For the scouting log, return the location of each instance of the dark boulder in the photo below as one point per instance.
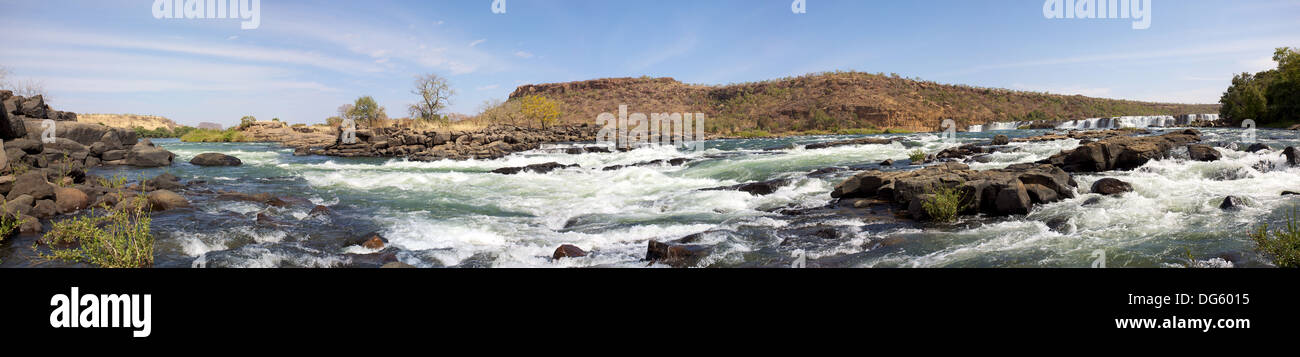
(862, 141)
(1001, 140)
(146, 154)
(1292, 156)
(1257, 147)
(1013, 190)
(1203, 153)
(755, 188)
(32, 184)
(676, 255)
(539, 168)
(568, 251)
(1110, 186)
(215, 159)
(1232, 203)
(162, 200)
(1121, 152)
(163, 182)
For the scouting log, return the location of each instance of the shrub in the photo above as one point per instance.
(119, 239)
(8, 224)
(231, 135)
(944, 205)
(1281, 245)
(540, 109)
(918, 156)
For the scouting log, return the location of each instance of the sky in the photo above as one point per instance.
(306, 58)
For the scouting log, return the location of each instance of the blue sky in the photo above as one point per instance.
(309, 57)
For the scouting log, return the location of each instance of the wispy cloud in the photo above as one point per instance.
(477, 42)
(523, 54)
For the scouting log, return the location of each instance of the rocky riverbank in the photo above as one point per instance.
(490, 143)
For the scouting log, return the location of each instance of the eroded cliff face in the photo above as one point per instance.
(128, 121)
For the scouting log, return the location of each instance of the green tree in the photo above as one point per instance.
(1284, 92)
(366, 111)
(1244, 99)
(435, 94)
(246, 122)
(540, 109)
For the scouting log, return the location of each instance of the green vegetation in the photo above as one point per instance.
(1281, 245)
(368, 112)
(917, 156)
(8, 224)
(1271, 98)
(247, 121)
(753, 134)
(118, 239)
(231, 135)
(944, 205)
(162, 132)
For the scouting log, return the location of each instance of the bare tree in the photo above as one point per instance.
(435, 95)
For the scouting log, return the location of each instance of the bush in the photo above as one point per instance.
(944, 205)
(231, 135)
(120, 239)
(918, 156)
(1281, 245)
(8, 224)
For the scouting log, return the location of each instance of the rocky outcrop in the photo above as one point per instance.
(568, 251)
(215, 159)
(490, 143)
(1121, 152)
(1013, 190)
(146, 154)
(538, 168)
(862, 141)
(75, 144)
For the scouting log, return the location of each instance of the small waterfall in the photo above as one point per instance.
(1140, 122)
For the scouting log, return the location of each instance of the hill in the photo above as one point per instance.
(129, 121)
(834, 101)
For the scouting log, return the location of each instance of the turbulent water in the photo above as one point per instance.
(458, 214)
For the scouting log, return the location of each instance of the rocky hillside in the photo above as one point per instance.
(128, 121)
(829, 101)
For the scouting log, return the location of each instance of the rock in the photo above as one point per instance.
(568, 251)
(318, 210)
(162, 200)
(539, 168)
(215, 159)
(1060, 225)
(1121, 152)
(18, 206)
(1292, 156)
(1290, 193)
(29, 225)
(302, 151)
(44, 209)
(755, 188)
(28, 146)
(396, 265)
(1001, 140)
(1257, 147)
(32, 184)
(114, 155)
(68, 200)
(1092, 201)
(862, 141)
(7, 184)
(145, 154)
(372, 241)
(9, 127)
(1110, 186)
(1204, 153)
(1231, 203)
(675, 255)
(1012, 190)
(165, 181)
(887, 163)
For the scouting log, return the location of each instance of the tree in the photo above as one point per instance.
(1243, 100)
(1268, 97)
(495, 111)
(367, 111)
(540, 109)
(1284, 92)
(247, 121)
(435, 94)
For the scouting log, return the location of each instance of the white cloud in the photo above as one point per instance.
(476, 43)
(523, 54)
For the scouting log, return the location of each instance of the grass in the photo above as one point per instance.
(917, 156)
(214, 136)
(1283, 244)
(945, 205)
(752, 134)
(119, 239)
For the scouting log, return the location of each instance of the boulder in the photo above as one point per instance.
(44, 209)
(862, 141)
(1001, 140)
(1292, 156)
(7, 184)
(163, 182)
(372, 241)
(1257, 147)
(18, 206)
(1232, 203)
(31, 184)
(568, 251)
(215, 159)
(26, 145)
(755, 188)
(29, 225)
(539, 168)
(114, 155)
(10, 127)
(1110, 186)
(68, 200)
(676, 255)
(1203, 153)
(145, 154)
(82, 133)
(163, 200)
(1121, 152)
